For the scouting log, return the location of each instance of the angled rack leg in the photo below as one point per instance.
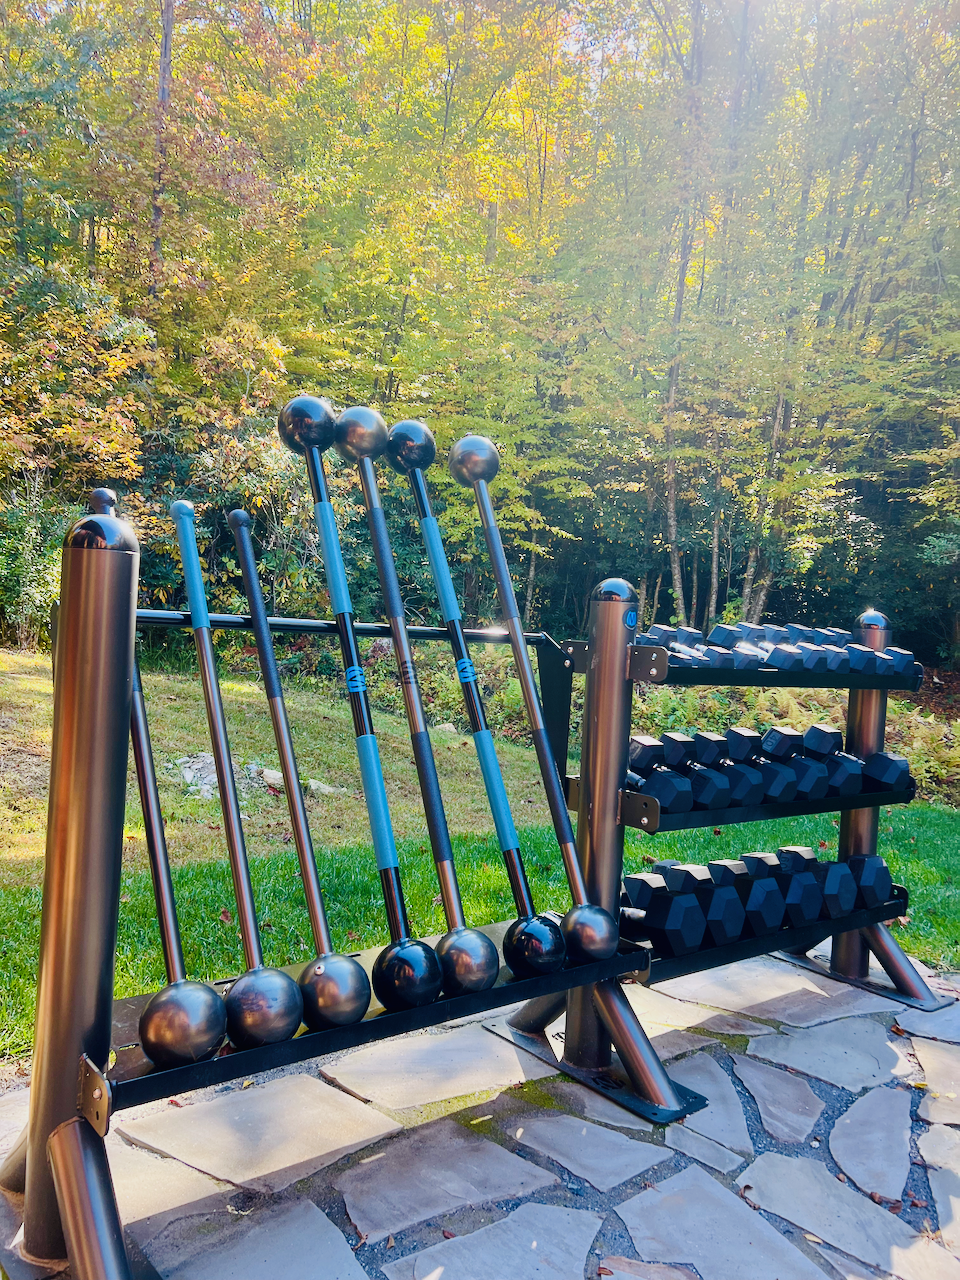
(88, 1205)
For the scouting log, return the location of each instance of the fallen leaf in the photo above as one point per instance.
(823, 844)
(175, 1102)
(226, 917)
(286, 837)
(361, 1241)
(919, 1204)
(354, 937)
(449, 1235)
(605, 1271)
(647, 859)
(275, 791)
(390, 1242)
(437, 901)
(716, 831)
(808, 1235)
(897, 1031)
(841, 1177)
(267, 925)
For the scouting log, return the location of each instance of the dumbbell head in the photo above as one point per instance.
(746, 656)
(874, 883)
(862, 660)
(361, 433)
(902, 660)
(716, 657)
(743, 744)
(307, 422)
(776, 635)
(664, 867)
(838, 887)
(785, 657)
(644, 753)
(724, 636)
(410, 446)
(711, 788)
(844, 774)
(751, 633)
(670, 789)
(761, 865)
(821, 740)
(764, 907)
(678, 750)
(729, 871)
(662, 634)
(689, 636)
(473, 458)
(641, 888)
(797, 633)
(746, 783)
(779, 781)
(838, 660)
(710, 748)
(796, 857)
(802, 898)
(720, 903)
(675, 923)
(781, 742)
(886, 772)
(812, 778)
(814, 658)
(842, 637)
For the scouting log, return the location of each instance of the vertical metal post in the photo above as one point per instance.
(859, 828)
(81, 888)
(88, 1206)
(601, 1013)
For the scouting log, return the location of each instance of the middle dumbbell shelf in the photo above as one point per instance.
(643, 812)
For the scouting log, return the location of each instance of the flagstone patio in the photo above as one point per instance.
(827, 1150)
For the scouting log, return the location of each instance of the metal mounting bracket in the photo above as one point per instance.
(647, 663)
(94, 1096)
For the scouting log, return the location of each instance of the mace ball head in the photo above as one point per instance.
(473, 458)
(533, 946)
(361, 433)
(407, 974)
(335, 990)
(263, 1006)
(185, 1022)
(410, 446)
(307, 422)
(469, 961)
(590, 933)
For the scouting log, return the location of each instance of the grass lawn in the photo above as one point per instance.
(921, 842)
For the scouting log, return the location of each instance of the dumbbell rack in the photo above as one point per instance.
(650, 664)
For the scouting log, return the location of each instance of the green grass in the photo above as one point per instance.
(921, 842)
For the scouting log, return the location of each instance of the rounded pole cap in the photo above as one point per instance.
(307, 422)
(361, 432)
(410, 446)
(102, 502)
(101, 533)
(873, 620)
(182, 509)
(473, 458)
(239, 519)
(615, 589)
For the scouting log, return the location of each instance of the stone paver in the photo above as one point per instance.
(945, 1187)
(430, 1068)
(940, 1146)
(847, 1268)
(941, 1070)
(153, 1191)
(871, 1142)
(770, 988)
(432, 1170)
(535, 1242)
(596, 1107)
(695, 1145)
(13, 1117)
(265, 1137)
(297, 1242)
(690, 1218)
(806, 1193)
(669, 1042)
(11, 1264)
(722, 1120)
(630, 1269)
(788, 1106)
(854, 1053)
(942, 1025)
(652, 1006)
(601, 1156)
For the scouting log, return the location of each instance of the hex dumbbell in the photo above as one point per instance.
(746, 784)
(673, 922)
(720, 904)
(670, 789)
(874, 882)
(711, 789)
(837, 885)
(760, 894)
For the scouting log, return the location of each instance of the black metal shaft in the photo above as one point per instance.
(374, 790)
(155, 836)
(88, 1205)
(282, 734)
(81, 890)
(473, 702)
(548, 769)
(413, 703)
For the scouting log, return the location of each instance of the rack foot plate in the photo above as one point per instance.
(875, 988)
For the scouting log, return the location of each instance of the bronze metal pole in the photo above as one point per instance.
(81, 888)
(88, 1206)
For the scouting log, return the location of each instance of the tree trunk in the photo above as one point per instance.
(19, 218)
(714, 571)
(656, 599)
(642, 603)
(164, 88)
(748, 577)
(531, 577)
(759, 601)
(694, 585)
(490, 250)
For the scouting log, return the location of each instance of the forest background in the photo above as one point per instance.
(693, 264)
